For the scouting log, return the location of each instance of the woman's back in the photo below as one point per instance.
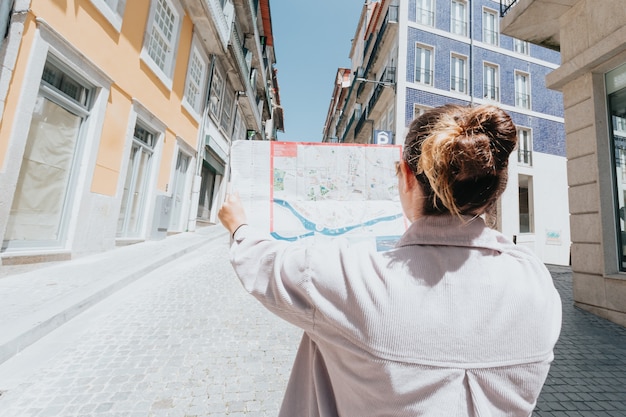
(443, 318)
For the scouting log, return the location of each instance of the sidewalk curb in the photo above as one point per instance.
(16, 336)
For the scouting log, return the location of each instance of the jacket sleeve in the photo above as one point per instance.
(276, 273)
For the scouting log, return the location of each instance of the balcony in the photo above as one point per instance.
(387, 30)
(535, 21)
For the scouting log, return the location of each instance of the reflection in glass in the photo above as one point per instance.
(617, 112)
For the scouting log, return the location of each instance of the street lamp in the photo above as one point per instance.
(383, 83)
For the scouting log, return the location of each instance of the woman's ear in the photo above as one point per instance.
(407, 176)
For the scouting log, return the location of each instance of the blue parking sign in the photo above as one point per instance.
(383, 137)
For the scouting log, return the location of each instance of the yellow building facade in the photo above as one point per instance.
(117, 117)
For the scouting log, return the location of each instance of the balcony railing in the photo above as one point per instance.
(505, 5)
(423, 76)
(458, 84)
(425, 17)
(458, 27)
(491, 92)
(490, 36)
(524, 157)
(522, 100)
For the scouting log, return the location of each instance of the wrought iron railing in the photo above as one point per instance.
(522, 100)
(491, 92)
(505, 5)
(425, 17)
(524, 157)
(458, 84)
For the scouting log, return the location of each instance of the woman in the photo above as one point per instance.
(456, 320)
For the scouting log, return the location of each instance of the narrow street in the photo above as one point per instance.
(185, 340)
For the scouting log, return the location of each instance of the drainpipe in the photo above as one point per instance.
(471, 53)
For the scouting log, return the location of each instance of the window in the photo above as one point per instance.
(490, 27)
(134, 198)
(46, 183)
(458, 74)
(524, 147)
(387, 120)
(423, 65)
(195, 84)
(161, 39)
(526, 212)
(113, 10)
(418, 110)
(458, 17)
(522, 90)
(217, 90)
(226, 121)
(221, 102)
(491, 82)
(616, 89)
(239, 129)
(425, 12)
(521, 47)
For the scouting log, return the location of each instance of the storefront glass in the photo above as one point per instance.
(616, 89)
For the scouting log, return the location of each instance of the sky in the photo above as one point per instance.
(312, 39)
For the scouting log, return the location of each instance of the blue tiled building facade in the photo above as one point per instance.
(449, 60)
(431, 23)
(436, 57)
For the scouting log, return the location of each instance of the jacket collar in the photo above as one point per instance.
(448, 230)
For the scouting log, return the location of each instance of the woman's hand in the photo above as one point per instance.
(232, 214)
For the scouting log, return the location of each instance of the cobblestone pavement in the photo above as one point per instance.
(588, 375)
(185, 340)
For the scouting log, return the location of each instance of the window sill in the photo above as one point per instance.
(164, 78)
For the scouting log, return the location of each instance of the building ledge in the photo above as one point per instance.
(536, 21)
(588, 60)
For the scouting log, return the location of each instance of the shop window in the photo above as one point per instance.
(616, 86)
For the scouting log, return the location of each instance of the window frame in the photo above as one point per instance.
(496, 86)
(227, 113)
(528, 185)
(429, 12)
(216, 93)
(494, 39)
(524, 147)
(222, 102)
(114, 14)
(453, 19)
(196, 51)
(520, 102)
(464, 78)
(430, 70)
(419, 109)
(165, 74)
(521, 47)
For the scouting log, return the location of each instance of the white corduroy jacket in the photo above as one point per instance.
(455, 321)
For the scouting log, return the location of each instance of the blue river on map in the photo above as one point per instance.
(313, 228)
